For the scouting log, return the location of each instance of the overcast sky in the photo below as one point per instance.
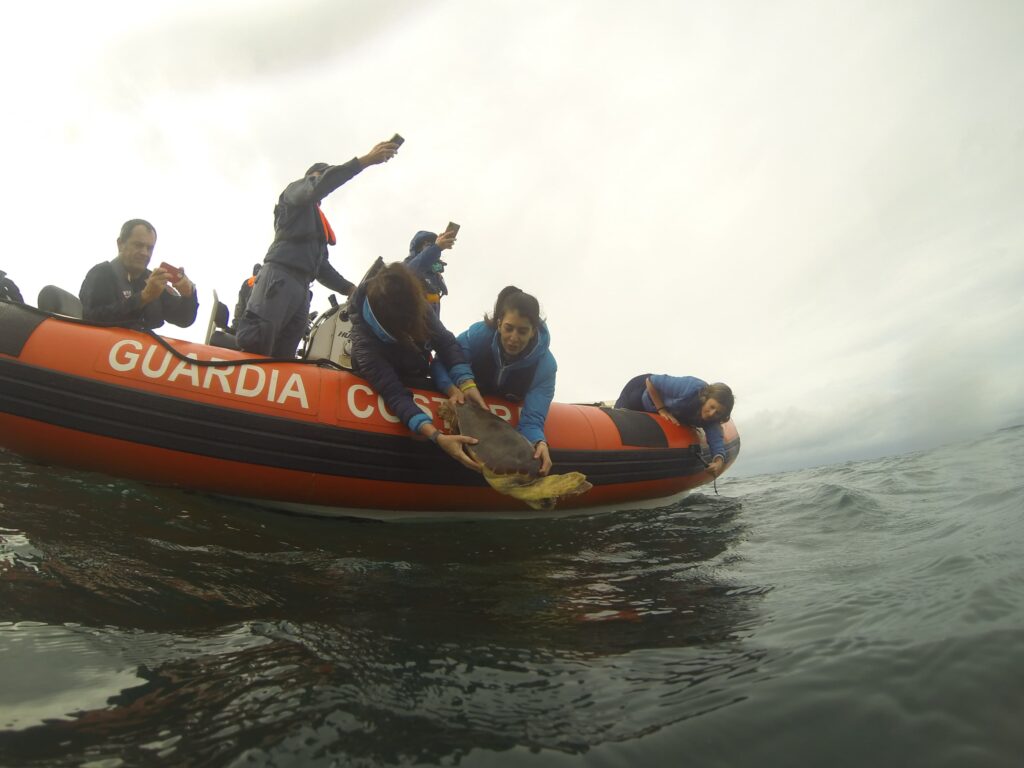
(819, 203)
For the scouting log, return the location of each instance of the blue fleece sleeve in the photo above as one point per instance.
(538, 400)
(716, 440)
(417, 421)
(675, 390)
(439, 371)
(422, 262)
(449, 352)
(373, 365)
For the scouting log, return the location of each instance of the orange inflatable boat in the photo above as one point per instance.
(301, 436)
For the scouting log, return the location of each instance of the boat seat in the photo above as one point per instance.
(220, 314)
(57, 301)
(217, 333)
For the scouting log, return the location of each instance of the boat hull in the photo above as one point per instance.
(290, 434)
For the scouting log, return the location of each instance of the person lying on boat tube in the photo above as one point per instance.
(509, 355)
(276, 314)
(123, 291)
(393, 333)
(684, 400)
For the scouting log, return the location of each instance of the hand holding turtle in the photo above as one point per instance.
(473, 394)
(455, 395)
(453, 446)
(541, 452)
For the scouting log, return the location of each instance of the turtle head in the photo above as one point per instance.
(449, 416)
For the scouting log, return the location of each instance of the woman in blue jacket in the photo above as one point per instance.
(510, 357)
(684, 400)
(394, 331)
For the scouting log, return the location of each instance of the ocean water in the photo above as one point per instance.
(866, 614)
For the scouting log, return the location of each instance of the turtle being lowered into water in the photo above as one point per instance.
(506, 458)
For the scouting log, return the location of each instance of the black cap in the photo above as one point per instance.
(321, 167)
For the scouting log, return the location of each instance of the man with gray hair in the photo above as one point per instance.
(123, 291)
(278, 309)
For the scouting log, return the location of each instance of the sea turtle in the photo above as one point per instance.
(507, 458)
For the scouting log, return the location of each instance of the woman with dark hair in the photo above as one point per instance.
(393, 332)
(510, 358)
(684, 400)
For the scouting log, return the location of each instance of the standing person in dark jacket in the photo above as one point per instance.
(424, 260)
(510, 357)
(393, 333)
(8, 290)
(125, 292)
(276, 315)
(684, 400)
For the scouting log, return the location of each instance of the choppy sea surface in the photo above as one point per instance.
(866, 614)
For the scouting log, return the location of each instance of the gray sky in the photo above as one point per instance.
(818, 203)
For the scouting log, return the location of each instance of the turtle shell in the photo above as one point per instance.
(502, 449)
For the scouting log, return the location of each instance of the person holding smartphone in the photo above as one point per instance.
(276, 314)
(425, 261)
(124, 291)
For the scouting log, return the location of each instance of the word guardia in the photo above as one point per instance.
(253, 381)
(244, 380)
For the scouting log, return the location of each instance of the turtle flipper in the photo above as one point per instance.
(542, 492)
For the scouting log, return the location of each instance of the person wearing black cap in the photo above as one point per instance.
(278, 309)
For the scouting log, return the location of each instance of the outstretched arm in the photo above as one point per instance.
(380, 153)
(331, 278)
(659, 403)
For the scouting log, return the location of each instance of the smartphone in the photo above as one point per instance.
(452, 227)
(397, 140)
(173, 272)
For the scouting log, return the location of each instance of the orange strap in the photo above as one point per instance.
(328, 232)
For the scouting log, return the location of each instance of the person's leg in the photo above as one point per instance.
(288, 337)
(273, 301)
(632, 394)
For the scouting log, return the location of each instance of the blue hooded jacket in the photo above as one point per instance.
(482, 344)
(427, 264)
(681, 396)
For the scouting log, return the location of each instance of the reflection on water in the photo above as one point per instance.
(867, 614)
(207, 632)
